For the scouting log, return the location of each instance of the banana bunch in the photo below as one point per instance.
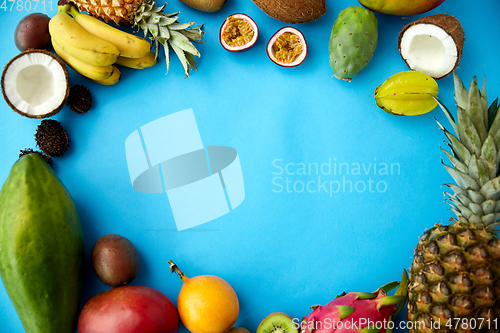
(94, 48)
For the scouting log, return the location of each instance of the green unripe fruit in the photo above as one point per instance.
(41, 247)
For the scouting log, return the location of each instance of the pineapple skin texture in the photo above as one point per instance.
(455, 274)
(118, 11)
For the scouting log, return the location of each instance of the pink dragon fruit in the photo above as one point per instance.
(358, 312)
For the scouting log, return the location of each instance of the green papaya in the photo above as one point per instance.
(41, 247)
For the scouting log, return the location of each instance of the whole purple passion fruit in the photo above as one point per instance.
(287, 47)
(115, 260)
(238, 32)
(32, 32)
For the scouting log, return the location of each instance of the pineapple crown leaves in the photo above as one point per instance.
(474, 156)
(163, 28)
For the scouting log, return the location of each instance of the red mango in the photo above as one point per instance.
(129, 309)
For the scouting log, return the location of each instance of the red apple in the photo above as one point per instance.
(402, 8)
(129, 309)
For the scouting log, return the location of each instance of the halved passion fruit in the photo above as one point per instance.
(35, 84)
(287, 47)
(238, 32)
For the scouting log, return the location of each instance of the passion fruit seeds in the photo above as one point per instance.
(287, 47)
(238, 32)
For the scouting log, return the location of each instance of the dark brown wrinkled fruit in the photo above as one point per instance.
(32, 32)
(115, 260)
(52, 138)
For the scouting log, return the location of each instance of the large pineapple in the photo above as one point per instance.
(160, 27)
(455, 274)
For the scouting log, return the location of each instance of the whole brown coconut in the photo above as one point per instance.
(293, 11)
(432, 45)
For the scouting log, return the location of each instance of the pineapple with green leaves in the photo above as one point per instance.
(455, 274)
(160, 27)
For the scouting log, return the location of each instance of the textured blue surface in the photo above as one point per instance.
(287, 246)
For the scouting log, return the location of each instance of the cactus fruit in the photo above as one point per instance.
(352, 42)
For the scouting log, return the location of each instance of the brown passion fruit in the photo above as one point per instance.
(287, 47)
(238, 32)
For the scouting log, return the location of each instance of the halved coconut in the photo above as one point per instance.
(35, 84)
(238, 32)
(432, 45)
(287, 47)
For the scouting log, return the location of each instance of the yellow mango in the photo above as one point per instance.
(398, 7)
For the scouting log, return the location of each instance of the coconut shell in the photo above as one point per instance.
(448, 23)
(293, 11)
(66, 74)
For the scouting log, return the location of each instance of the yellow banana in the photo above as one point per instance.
(138, 63)
(112, 79)
(91, 71)
(77, 42)
(130, 46)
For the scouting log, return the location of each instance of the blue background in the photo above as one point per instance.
(279, 251)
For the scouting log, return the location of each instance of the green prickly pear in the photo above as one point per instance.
(353, 41)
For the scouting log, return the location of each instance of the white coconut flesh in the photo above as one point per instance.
(429, 49)
(35, 84)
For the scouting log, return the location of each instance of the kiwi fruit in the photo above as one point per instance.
(238, 330)
(209, 6)
(278, 322)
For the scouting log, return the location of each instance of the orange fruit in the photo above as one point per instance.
(206, 303)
